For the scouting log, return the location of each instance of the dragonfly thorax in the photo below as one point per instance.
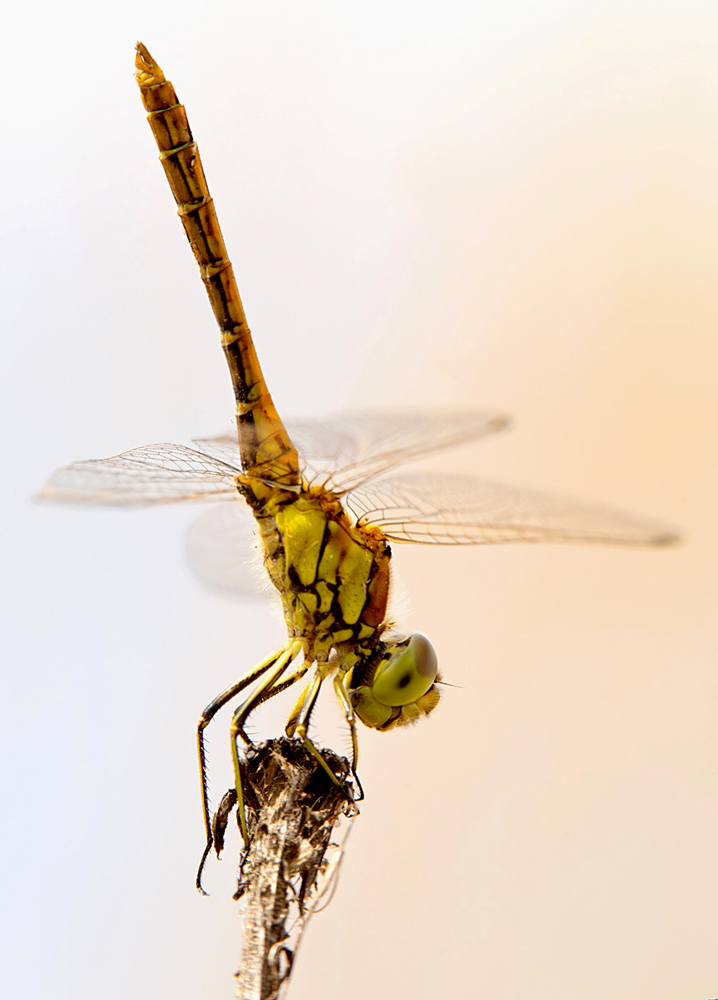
(332, 575)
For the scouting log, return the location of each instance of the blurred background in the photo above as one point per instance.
(427, 204)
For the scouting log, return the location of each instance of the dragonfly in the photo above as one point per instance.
(327, 503)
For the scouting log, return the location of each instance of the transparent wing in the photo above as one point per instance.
(156, 473)
(344, 450)
(459, 510)
(223, 447)
(223, 551)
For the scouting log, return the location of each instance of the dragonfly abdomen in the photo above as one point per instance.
(266, 449)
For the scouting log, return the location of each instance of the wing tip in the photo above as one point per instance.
(666, 538)
(50, 493)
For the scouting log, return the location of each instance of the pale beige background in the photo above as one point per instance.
(427, 204)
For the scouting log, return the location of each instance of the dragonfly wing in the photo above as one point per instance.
(155, 473)
(459, 510)
(349, 449)
(344, 450)
(223, 551)
(223, 447)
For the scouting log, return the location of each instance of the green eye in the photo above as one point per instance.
(408, 674)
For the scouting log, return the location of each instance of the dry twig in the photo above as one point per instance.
(297, 820)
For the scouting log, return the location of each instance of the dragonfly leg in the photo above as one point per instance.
(204, 720)
(299, 722)
(282, 685)
(264, 690)
(341, 693)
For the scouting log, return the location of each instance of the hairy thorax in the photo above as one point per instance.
(333, 576)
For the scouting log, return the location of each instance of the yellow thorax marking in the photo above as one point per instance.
(323, 552)
(302, 525)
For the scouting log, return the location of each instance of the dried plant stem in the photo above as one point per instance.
(294, 814)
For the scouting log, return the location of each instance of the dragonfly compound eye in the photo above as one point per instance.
(408, 674)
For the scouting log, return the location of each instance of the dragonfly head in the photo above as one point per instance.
(399, 686)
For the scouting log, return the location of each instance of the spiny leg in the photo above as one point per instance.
(204, 720)
(282, 685)
(341, 693)
(299, 721)
(266, 689)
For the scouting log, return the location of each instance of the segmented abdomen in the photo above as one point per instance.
(266, 449)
